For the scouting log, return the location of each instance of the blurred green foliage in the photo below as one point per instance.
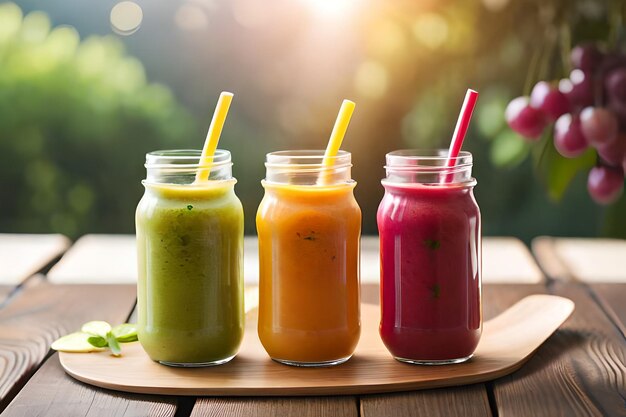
(76, 118)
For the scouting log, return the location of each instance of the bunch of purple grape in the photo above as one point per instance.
(588, 109)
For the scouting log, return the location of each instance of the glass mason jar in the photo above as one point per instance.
(430, 254)
(190, 261)
(309, 227)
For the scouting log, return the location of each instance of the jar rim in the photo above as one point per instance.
(426, 160)
(185, 159)
(428, 154)
(307, 160)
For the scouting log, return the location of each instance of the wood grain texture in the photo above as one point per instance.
(266, 407)
(22, 255)
(506, 343)
(612, 297)
(583, 260)
(465, 401)
(580, 371)
(42, 312)
(52, 393)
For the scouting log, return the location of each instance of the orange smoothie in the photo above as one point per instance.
(309, 301)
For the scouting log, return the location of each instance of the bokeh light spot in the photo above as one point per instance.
(251, 13)
(371, 80)
(495, 5)
(10, 20)
(431, 30)
(387, 38)
(191, 17)
(331, 8)
(126, 17)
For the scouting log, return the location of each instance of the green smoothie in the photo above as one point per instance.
(190, 286)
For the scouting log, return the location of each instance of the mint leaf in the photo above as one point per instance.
(432, 244)
(97, 341)
(114, 345)
(189, 207)
(125, 333)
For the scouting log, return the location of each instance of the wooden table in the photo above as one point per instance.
(579, 371)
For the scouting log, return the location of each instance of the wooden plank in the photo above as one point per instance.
(261, 407)
(507, 260)
(42, 312)
(584, 260)
(28, 325)
(549, 261)
(52, 393)
(579, 371)
(612, 297)
(22, 255)
(98, 259)
(467, 401)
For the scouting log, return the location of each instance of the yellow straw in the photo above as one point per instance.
(213, 136)
(336, 137)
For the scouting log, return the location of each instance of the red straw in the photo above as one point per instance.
(461, 129)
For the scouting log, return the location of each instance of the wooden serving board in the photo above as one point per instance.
(507, 342)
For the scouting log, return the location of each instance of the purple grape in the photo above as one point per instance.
(605, 184)
(568, 136)
(524, 119)
(599, 126)
(612, 153)
(549, 100)
(578, 88)
(586, 57)
(615, 85)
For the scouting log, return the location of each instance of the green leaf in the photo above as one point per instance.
(508, 149)
(74, 342)
(557, 172)
(125, 333)
(96, 328)
(114, 345)
(97, 341)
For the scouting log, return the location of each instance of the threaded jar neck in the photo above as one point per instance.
(416, 166)
(307, 167)
(180, 166)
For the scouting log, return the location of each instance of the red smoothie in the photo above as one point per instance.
(430, 271)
